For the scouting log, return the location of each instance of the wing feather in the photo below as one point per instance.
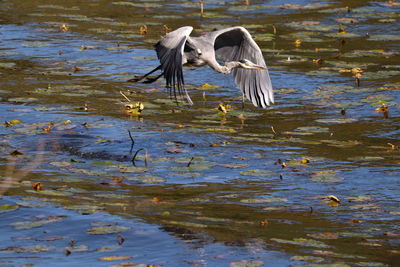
(170, 53)
(234, 44)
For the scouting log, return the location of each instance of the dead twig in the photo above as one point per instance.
(125, 96)
(145, 157)
(132, 141)
(190, 162)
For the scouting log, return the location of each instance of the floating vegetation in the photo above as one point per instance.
(103, 230)
(326, 176)
(307, 176)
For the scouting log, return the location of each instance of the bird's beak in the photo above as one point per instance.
(258, 68)
(253, 66)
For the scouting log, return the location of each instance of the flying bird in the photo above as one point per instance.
(241, 55)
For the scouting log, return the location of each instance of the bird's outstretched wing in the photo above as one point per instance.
(234, 44)
(170, 53)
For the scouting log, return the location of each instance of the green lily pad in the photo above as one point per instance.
(112, 195)
(103, 230)
(326, 176)
(337, 143)
(7, 65)
(379, 100)
(87, 172)
(8, 207)
(147, 179)
(307, 258)
(85, 208)
(264, 37)
(342, 35)
(28, 249)
(354, 234)
(23, 99)
(336, 121)
(304, 242)
(264, 200)
(131, 169)
(108, 248)
(258, 172)
(51, 192)
(384, 37)
(79, 248)
(359, 199)
(60, 163)
(312, 129)
(33, 224)
(366, 158)
(35, 44)
(246, 263)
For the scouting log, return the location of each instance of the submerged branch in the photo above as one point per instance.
(145, 157)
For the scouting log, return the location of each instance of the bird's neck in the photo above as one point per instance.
(231, 65)
(227, 68)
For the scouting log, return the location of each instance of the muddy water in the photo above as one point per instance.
(250, 188)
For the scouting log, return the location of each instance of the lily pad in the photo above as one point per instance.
(384, 37)
(326, 176)
(246, 263)
(359, 199)
(312, 129)
(147, 179)
(28, 249)
(33, 224)
(79, 248)
(336, 121)
(103, 230)
(115, 258)
(7, 65)
(307, 258)
(8, 207)
(23, 99)
(304, 242)
(264, 200)
(258, 172)
(51, 193)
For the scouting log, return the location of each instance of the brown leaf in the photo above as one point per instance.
(16, 153)
(37, 186)
(143, 30)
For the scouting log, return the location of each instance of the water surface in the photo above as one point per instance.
(253, 187)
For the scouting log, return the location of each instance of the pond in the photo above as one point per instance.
(312, 180)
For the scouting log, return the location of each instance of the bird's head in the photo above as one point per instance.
(247, 64)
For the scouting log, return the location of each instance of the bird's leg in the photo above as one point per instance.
(139, 78)
(243, 100)
(151, 80)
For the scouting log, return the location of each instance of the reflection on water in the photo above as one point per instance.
(249, 187)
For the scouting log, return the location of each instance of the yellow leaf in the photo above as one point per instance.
(134, 109)
(224, 108)
(11, 123)
(305, 161)
(356, 70)
(115, 258)
(297, 42)
(143, 30)
(333, 198)
(64, 27)
(209, 86)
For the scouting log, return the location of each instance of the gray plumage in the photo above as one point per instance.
(234, 45)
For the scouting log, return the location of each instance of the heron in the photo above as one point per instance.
(234, 45)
